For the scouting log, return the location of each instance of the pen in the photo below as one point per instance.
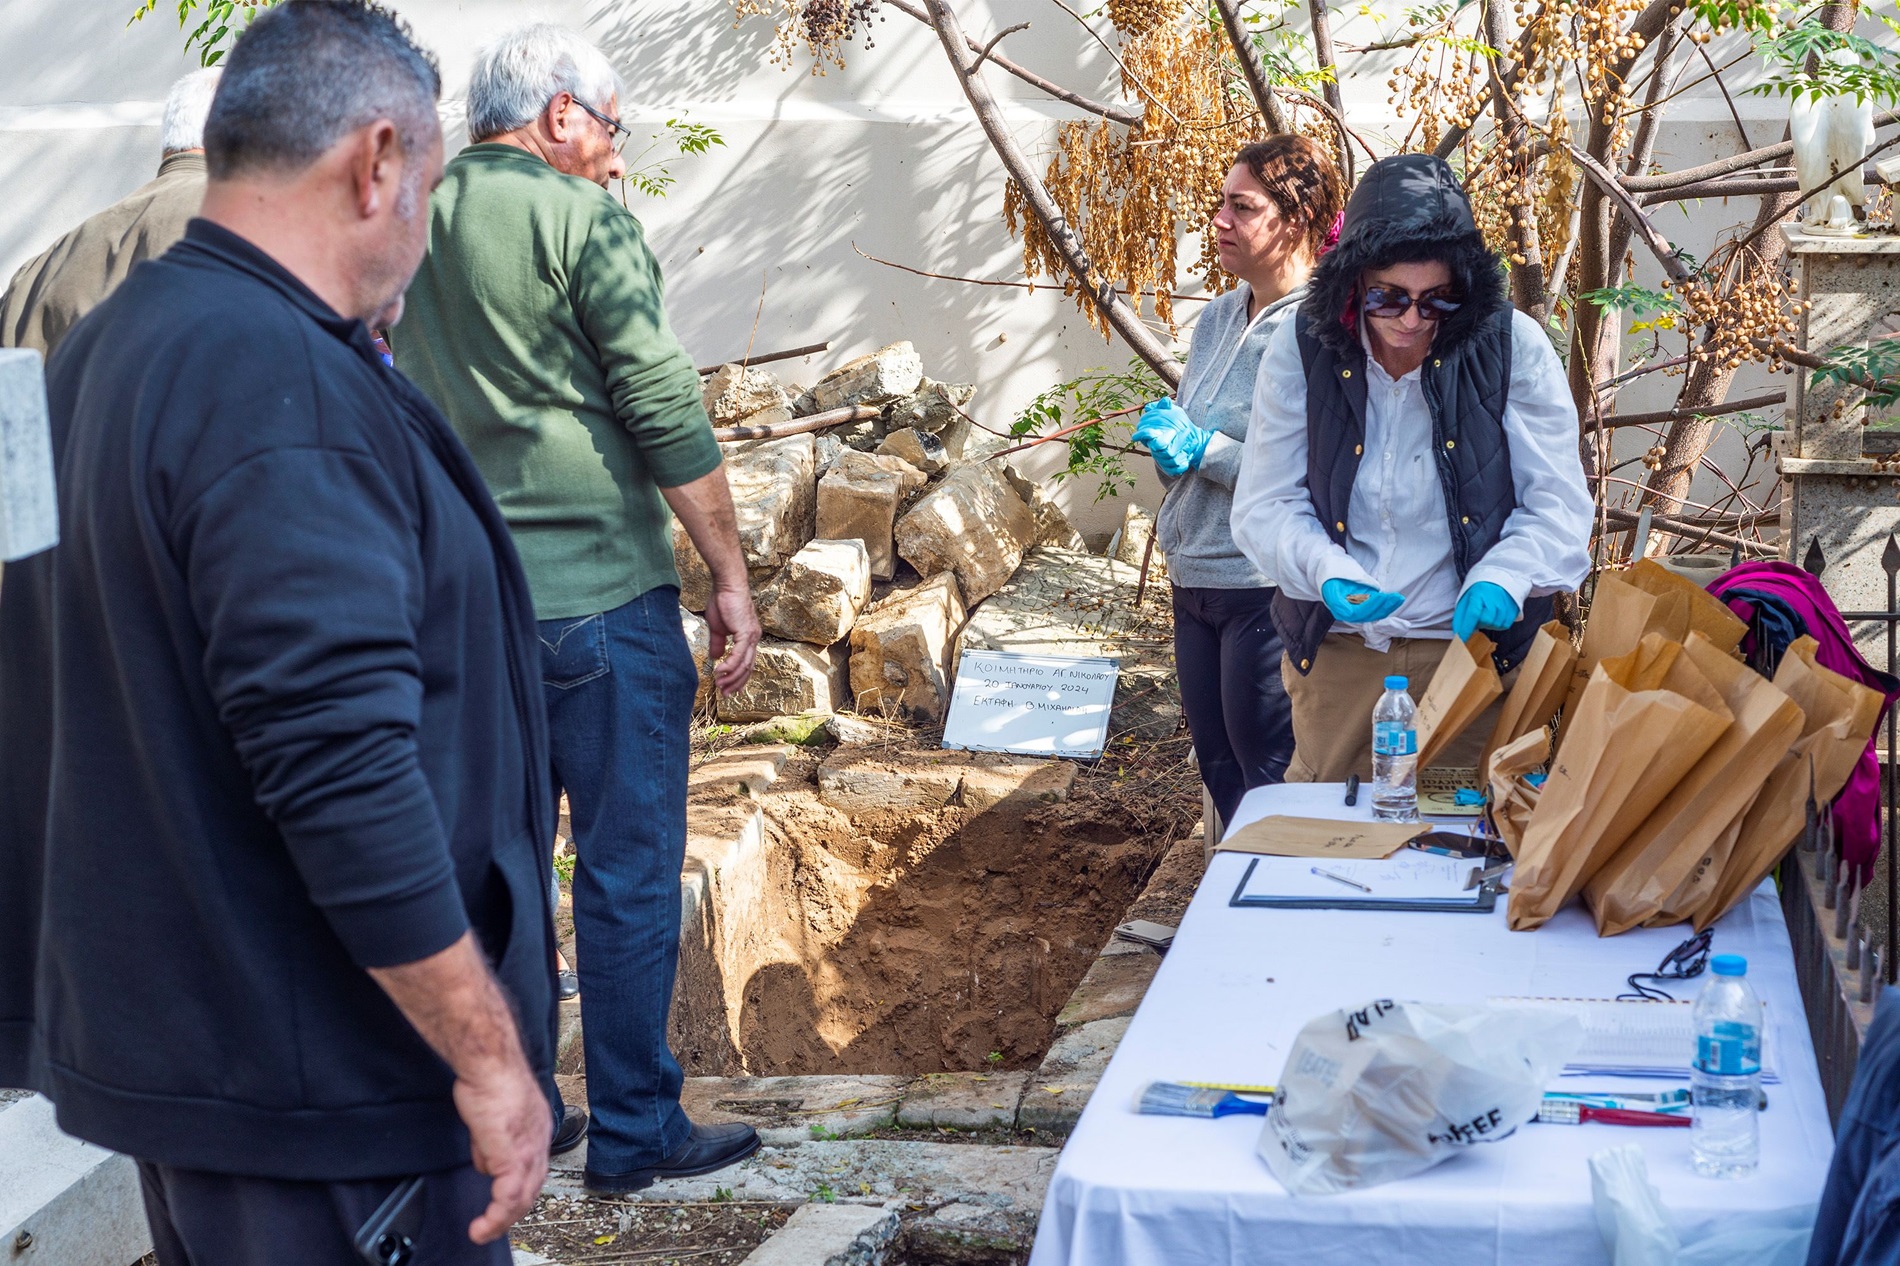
(1340, 879)
(1352, 790)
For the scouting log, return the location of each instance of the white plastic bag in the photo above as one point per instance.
(1393, 1088)
(1638, 1231)
(1630, 1214)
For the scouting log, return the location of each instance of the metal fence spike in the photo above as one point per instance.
(1854, 942)
(1844, 904)
(1870, 968)
(1890, 557)
(1814, 562)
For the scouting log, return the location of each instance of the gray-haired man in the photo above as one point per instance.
(51, 291)
(538, 324)
(274, 818)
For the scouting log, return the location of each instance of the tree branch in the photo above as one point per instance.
(1329, 87)
(1251, 68)
(1664, 416)
(1113, 113)
(983, 54)
(1657, 243)
(1068, 244)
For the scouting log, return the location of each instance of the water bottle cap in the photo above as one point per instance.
(1395, 683)
(1729, 965)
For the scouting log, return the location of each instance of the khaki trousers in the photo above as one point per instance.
(1332, 705)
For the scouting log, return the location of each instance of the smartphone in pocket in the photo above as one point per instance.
(389, 1237)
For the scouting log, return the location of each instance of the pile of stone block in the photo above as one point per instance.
(867, 546)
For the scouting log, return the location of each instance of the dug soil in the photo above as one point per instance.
(946, 940)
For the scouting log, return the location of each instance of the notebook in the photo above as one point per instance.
(1638, 1039)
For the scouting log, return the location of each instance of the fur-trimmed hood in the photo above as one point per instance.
(1406, 208)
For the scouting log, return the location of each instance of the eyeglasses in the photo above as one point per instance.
(616, 130)
(1390, 301)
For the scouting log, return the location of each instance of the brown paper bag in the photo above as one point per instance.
(1283, 836)
(1513, 800)
(1643, 599)
(1543, 679)
(1465, 684)
(1839, 719)
(1644, 721)
(1676, 839)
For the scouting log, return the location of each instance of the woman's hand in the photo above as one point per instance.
(1173, 440)
(1354, 603)
(1483, 606)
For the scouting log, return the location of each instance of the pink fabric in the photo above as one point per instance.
(1857, 808)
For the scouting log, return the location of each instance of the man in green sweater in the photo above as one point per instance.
(538, 324)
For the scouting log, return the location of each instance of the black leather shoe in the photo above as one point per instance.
(707, 1148)
(569, 1133)
(570, 983)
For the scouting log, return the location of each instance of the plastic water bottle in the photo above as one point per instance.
(1725, 1080)
(1394, 755)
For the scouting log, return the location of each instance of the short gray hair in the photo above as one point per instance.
(516, 76)
(309, 72)
(185, 109)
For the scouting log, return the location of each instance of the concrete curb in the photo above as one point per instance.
(64, 1202)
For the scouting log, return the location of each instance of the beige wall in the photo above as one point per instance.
(883, 155)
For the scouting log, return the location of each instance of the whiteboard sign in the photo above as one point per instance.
(1039, 705)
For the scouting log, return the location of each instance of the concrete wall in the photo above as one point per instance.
(882, 156)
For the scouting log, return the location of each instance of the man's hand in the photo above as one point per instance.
(704, 507)
(508, 1129)
(459, 1010)
(735, 637)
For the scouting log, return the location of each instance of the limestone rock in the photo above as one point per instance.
(962, 1101)
(818, 595)
(772, 490)
(902, 649)
(1138, 528)
(788, 677)
(873, 785)
(699, 641)
(936, 406)
(973, 524)
(1052, 525)
(737, 393)
(920, 448)
(858, 499)
(695, 577)
(885, 375)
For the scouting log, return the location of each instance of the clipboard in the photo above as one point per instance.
(1481, 900)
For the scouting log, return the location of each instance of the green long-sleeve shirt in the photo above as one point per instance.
(537, 323)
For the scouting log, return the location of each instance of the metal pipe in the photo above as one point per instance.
(708, 370)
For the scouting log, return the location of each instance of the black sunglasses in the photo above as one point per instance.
(1390, 301)
(615, 128)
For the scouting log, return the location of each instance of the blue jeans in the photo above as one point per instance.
(620, 689)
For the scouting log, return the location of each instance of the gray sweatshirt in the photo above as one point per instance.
(1217, 392)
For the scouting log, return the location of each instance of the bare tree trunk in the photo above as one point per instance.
(1122, 318)
(1329, 88)
(1255, 73)
(1528, 285)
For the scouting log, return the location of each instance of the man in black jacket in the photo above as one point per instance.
(274, 823)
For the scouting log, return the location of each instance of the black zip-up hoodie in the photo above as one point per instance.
(269, 716)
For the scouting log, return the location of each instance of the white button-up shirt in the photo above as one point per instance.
(1397, 536)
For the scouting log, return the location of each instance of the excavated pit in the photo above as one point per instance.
(871, 927)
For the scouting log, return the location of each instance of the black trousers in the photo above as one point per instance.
(1227, 657)
(205, 1219)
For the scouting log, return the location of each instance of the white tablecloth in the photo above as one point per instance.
(1239, 984)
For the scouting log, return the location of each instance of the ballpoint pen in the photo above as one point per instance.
(1340, 879)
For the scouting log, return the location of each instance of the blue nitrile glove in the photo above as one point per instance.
(1483, 606)
(1173, 440)
(1373, 604)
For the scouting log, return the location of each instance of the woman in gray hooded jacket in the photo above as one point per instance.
(1278, 208)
